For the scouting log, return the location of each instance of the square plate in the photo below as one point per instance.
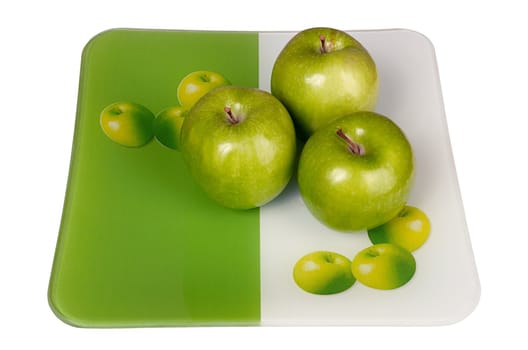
(141, 245)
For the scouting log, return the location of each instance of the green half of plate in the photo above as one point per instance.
(139, 243)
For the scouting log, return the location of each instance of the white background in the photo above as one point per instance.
(482, 56)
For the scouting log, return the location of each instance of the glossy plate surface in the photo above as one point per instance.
(141, 245)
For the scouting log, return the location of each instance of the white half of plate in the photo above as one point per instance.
(445, 287)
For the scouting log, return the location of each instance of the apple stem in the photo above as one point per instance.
(329, 258)
(322, 38)
(372, 253)
(353, 147)
(403, 212)
(230, 116)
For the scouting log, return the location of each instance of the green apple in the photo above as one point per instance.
(383, 266)
(356, 172)
(167, 125)
(409, 229)
(196, 84)
(240, 146)
(127, 123)
(323, 272)
(323, 74)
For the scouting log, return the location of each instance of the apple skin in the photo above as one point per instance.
(196, 84)
(409, 229)
(318, 87)
(167, 126)
(127, 123)
(350, 192)
(383, 266)
(323, 272)
(245, 164)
